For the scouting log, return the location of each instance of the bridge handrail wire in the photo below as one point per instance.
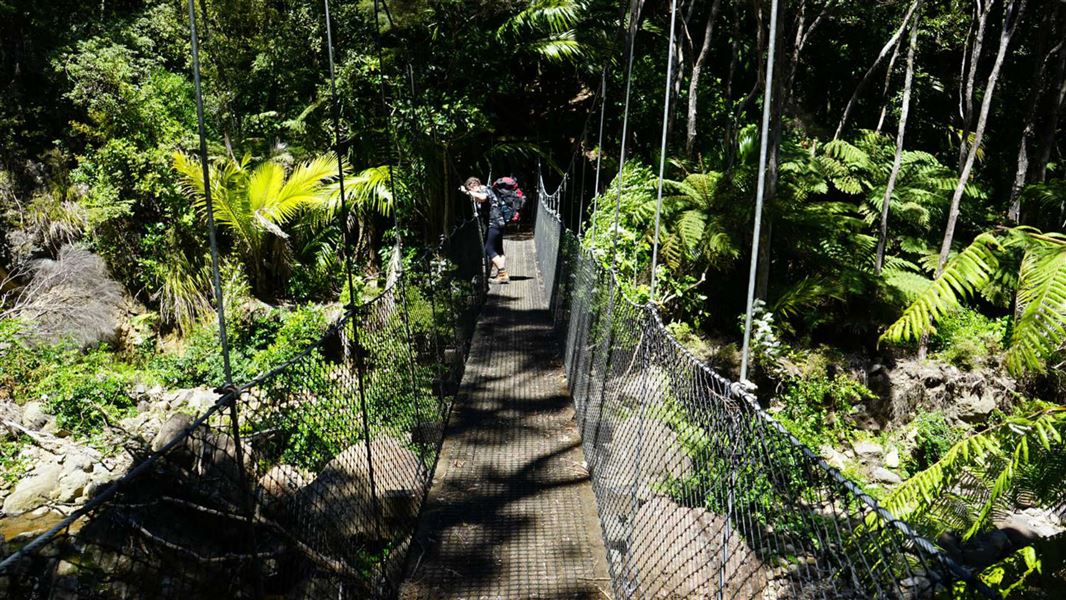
(786, 519)
(166, 529)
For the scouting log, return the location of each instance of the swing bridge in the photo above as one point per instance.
(455, 438)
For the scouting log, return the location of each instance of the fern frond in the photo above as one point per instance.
(1040, 329)
(908, 284)
(1003, 449)
(963, 275)
(690, 228)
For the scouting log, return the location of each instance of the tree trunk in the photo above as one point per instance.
(882, 239)
(1035, 93)
(1021, 170)
(984, 7)
(1046, 143)
(884, 88)
(1010, 20)
(760, 77)
(694, 80)
(889, 45)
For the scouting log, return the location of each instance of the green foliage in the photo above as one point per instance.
(814, 409)
(968, 339)
(933, 438)
(12, 464)
(255, 203)
(84, 389)
(988, 463)
(1010, 575)
(1040, 329)
(19, 360)
(964, 274)
(300, 328)
(85, 392)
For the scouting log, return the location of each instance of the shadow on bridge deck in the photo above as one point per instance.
(511, 513)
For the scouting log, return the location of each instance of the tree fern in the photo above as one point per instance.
(1040, 328)
(963, 275)
(1008, 445)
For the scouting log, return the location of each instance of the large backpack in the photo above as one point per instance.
(511, 198)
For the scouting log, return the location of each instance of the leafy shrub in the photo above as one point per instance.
(18, 359)
(12, 465)
(258, 340)
(300, 328)
(933, 439)
(85, 394)
(815, 407)
(968, 339)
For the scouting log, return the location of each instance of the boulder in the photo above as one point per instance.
(340, 497)
(866, 450)
(198, 399)
(33, 416)
(832, 457)
(912, 384)
(883, 475)
(72, 484)
(643, 452)
(280, 483)
(973, 408)
(171, 428)
(678, 552)
(892, 459)
(640, 387)
(1030, 524)
(34, 491)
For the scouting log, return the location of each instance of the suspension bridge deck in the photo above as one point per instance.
(511, 513)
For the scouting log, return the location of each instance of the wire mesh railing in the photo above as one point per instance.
(304, 483)
(701, 494)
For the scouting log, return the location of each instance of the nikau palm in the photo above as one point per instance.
(254, 204)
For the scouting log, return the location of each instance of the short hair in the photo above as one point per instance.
(472, 182)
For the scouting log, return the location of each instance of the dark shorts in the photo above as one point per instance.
(494, 242)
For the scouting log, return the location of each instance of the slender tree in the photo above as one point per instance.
(694, 79)
(898, 158)
(888, 47)
(970, 61)
(1012, 13)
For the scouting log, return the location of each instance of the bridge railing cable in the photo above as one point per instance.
(327, 517)
(700, 492)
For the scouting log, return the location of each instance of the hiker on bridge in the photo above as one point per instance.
(499, 214)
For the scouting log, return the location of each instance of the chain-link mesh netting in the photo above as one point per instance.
(701, 494)
(305, 483)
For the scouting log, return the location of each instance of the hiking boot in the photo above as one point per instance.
(503, 277)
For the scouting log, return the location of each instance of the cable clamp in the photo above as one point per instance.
(228, 394)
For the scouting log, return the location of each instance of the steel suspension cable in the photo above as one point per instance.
(401, 278)
(357, 350)
(335, 109)
(662, 151)
(220, 308)
(230, 395)
(599, 142)
(760, 190)
(625, 131)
